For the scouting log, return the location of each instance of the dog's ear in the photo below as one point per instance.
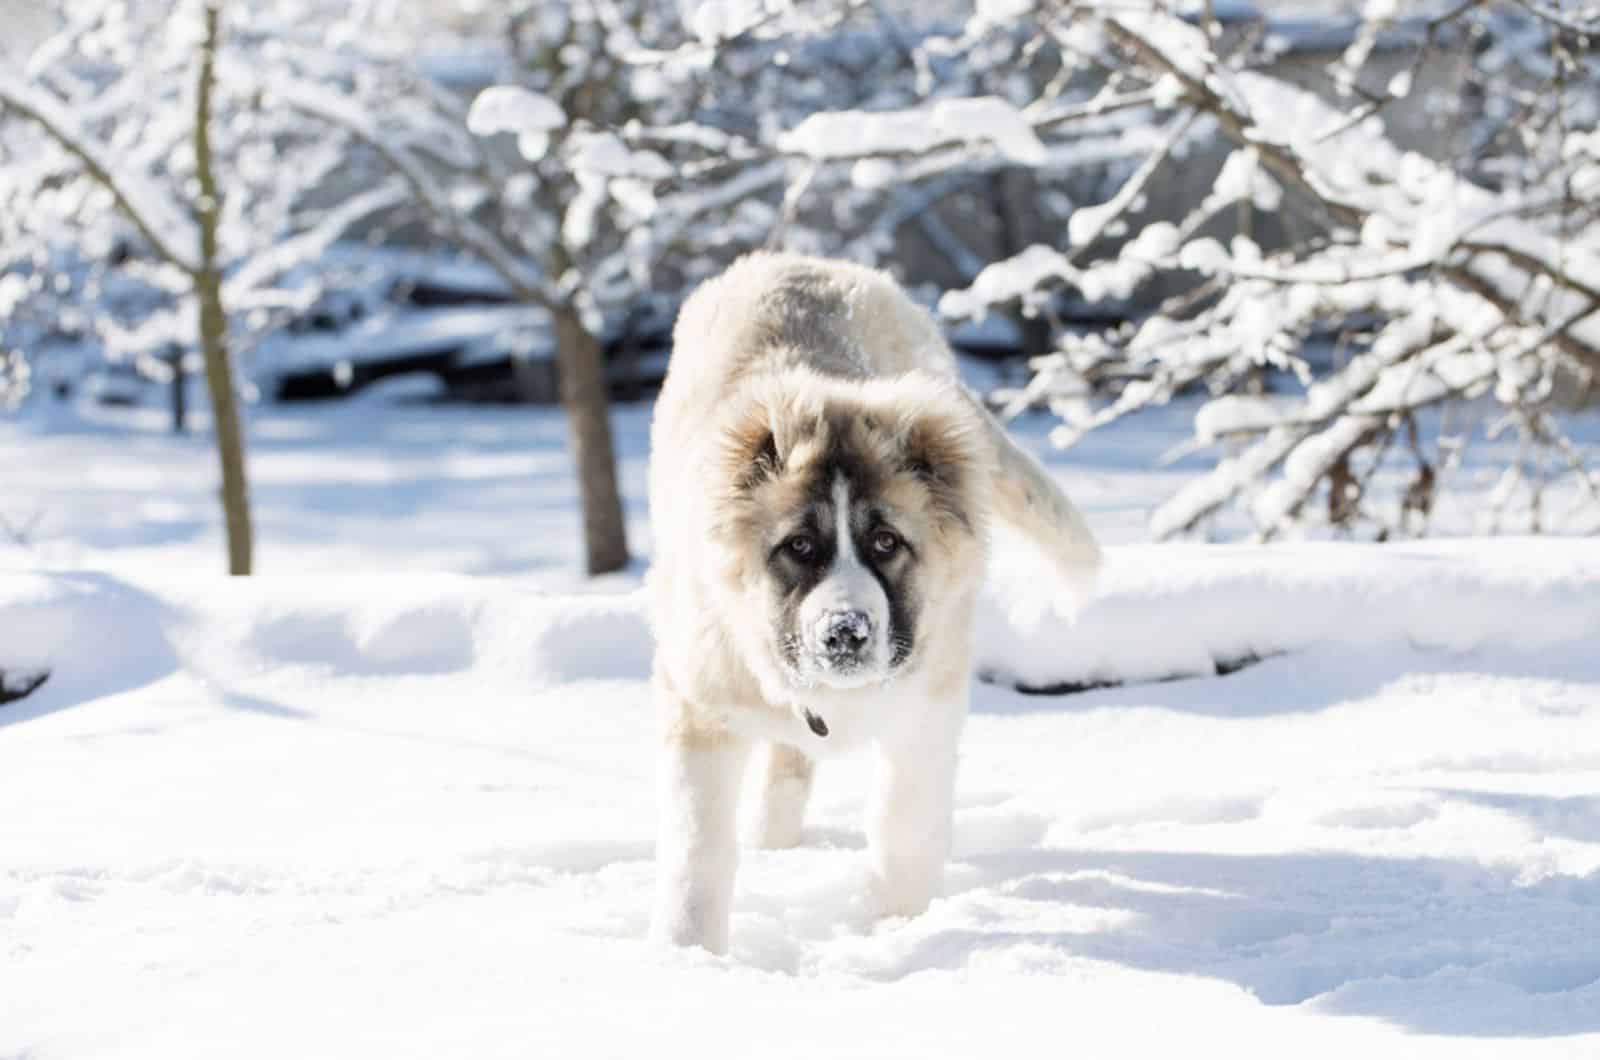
(750, 447)
(941, 446)
(941, 462)
(764, 464)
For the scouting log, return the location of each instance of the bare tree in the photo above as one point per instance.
(157, 162)
(213, 324)
(187, 246)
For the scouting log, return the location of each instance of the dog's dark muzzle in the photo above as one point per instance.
(844, 637)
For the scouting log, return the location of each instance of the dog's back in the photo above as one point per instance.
(769, 312)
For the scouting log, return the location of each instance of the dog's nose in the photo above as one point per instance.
(845, 633)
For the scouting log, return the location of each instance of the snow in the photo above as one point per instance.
(1182, 610)
(604, 154)
(1006, 280)
(162, 219)
(1204, 255)
(712, 21)
(27, 26)
(416, 813)
(999, 12)
(1184, 45)
(993, 119)
(1242, 178)
(396, 793)
(1235, 414)
(510, 108)
(981, 119)
(1023, 274)
(513, 109)
(317, 244)
(400, 333)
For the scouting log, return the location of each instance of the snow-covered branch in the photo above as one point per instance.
(434, 200)
(161, 221)
(1506, 267)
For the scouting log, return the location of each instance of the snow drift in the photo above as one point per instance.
(1164, 612)
(412, 814)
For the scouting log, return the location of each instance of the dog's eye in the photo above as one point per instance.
(885, 543)
(800, 546)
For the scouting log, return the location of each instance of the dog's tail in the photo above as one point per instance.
(1030, 501)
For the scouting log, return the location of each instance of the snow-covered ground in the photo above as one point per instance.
(395, 796)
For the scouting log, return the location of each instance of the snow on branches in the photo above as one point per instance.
(100, 204)
(1462, 271)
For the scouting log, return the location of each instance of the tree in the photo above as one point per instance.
(154, 201)
(613, 193)
(185, 241)
(1461, 277)
(213, 323)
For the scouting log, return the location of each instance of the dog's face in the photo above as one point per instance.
(845, 507)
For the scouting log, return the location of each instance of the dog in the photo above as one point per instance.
(820, 489)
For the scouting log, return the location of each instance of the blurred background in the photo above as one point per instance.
(394, 282)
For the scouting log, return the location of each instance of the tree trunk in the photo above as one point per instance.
(214, 322)
(179, 405)
(583, 395)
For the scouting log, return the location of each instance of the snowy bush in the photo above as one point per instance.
(1453, 279)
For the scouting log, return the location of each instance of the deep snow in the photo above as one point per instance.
(359, 806)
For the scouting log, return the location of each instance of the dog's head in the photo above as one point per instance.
(843, 508)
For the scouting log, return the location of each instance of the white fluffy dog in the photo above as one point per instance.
(820, 484)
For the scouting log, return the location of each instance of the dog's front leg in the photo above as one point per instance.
(908, 822)
(697, 850)
(780, 808)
